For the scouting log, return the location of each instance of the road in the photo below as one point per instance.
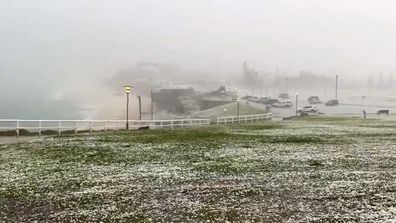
(342, 109)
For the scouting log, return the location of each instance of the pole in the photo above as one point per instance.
(287, 85)
(127, 113)
(336, 90)
(296, 104)
(152, 107)
(140, 107)
(238, 110)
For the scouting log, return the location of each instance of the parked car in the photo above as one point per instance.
(284, 96)
(263, 100)
(250, 98)
(314, 100)
(332, 102)
(308, 109)
(273, 101)
(283, 104)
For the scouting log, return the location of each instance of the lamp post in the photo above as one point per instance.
(140, 107)
(127, 89)
(238, 99)
(152, 105)
(296, 103)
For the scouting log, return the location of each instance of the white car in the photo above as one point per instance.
(283, 104)
(308, 109)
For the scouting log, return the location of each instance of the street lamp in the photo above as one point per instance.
(127, 89)
(238, 99)
(296, 103)
(140, 107)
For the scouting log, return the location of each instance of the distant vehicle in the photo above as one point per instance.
(263, 100)
(283, 104)
(273, 101)
(308, 109)
(314, 100)
(385, 112)
(267, 101)
(250, 98)
(332, 102)
(284, 96)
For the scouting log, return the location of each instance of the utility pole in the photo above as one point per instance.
(140, 107)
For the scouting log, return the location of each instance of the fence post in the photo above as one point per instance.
(171, 124)
(40, 125)
(59, 127)
(105, 126)
(90, 126)
(76, 127)
(17, 128)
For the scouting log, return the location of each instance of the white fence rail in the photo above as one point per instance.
(243, 118)
(59, 126)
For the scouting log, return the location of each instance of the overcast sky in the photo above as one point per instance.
(69, 37)
(47, 43)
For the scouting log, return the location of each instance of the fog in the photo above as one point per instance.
(60, 59)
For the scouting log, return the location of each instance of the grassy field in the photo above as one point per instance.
(307, 170)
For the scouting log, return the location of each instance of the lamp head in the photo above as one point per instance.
(128, 89)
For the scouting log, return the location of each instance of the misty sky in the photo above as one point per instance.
(45, 45)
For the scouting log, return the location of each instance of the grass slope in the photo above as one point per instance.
(312, 169)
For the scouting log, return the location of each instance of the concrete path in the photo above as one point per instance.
(14, 139)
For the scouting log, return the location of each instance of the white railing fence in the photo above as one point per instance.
(59, 126)
(75, 126)
(243, 118)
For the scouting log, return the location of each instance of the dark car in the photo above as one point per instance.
(267, 101)
(273, 101)
(332, 102)
(284, 96)
(250, 98)
(263, 100)
(314, 100)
